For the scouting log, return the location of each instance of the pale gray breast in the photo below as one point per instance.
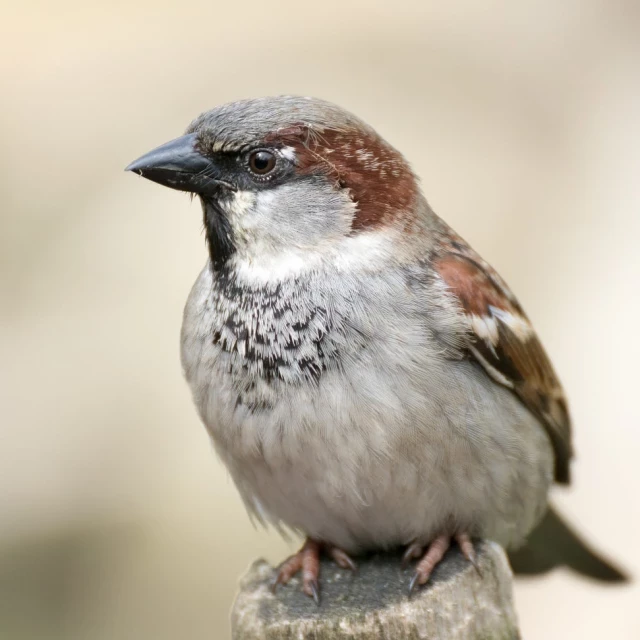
(293, 330)
(252, 349)
(359, 370)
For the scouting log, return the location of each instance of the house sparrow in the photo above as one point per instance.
(366, 377)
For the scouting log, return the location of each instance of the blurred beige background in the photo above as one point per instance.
(523, 120)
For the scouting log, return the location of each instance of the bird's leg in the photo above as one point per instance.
(466, 546)
(307, 561)
(434, 554)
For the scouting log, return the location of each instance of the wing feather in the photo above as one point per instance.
(503, 342)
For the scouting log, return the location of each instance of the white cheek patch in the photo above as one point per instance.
(238, 205)
(262, 265)
(260, 261)
(247, 208)
(264, 201)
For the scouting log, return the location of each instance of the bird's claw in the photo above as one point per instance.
(307, 561)
(312, 589)
(434, 554)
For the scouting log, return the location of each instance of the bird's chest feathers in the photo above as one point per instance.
(262, 338)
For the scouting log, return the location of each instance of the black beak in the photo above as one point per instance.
(178, 165)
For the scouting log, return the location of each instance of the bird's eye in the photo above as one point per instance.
(262, 162)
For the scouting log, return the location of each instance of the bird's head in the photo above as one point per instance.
(285, 178)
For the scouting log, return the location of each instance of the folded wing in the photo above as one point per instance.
(503, 341)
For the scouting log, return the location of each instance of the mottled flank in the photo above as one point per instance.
(505, 343)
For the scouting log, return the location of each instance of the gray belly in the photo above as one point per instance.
(396, 444)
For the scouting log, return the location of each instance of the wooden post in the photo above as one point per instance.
(458, 603)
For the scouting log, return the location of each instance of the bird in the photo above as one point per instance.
(366, 377)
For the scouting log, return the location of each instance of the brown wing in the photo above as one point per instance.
(505, 344)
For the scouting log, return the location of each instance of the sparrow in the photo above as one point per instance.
(366, 377)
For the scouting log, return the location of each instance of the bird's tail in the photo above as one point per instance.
(553, 544)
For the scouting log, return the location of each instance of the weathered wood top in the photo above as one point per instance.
(457, 603)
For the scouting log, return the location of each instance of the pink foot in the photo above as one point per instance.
(433, 555)
(307, 560)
